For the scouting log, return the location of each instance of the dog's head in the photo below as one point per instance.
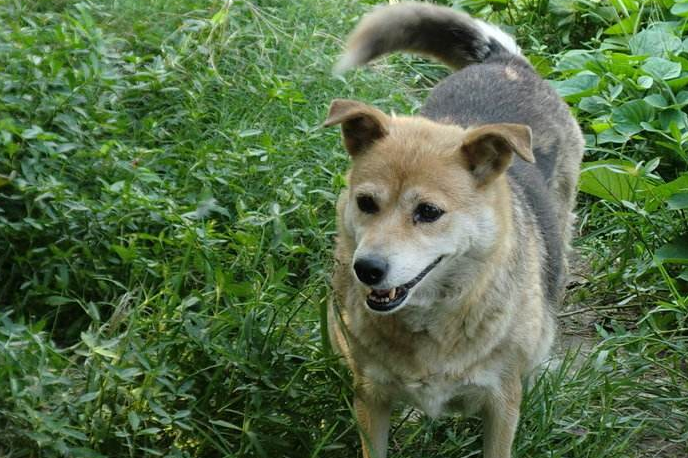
(420, 195)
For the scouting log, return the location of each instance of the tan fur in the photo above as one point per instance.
(470, 348)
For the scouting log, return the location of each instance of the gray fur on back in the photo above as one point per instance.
(505, 88)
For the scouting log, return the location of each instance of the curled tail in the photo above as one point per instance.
(455, 38)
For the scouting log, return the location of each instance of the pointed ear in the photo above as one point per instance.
(361, 124)
(490, 148)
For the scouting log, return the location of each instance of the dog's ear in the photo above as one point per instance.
(489, 149)
(361, 124)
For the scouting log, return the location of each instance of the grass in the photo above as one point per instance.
(166, 224)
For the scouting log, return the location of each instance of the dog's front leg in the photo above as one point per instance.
(373, 420)
(500, 415)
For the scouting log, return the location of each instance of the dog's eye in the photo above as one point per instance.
(367, 204)
(427, 213)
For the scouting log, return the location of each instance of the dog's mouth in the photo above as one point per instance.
(386, 300)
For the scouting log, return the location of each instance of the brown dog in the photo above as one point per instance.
(451, 247)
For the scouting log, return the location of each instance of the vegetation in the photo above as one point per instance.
(166, 224)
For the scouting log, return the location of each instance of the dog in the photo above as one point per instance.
(454, 229)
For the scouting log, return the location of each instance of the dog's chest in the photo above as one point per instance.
(435, 393)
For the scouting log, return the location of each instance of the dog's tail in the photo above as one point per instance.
(455, 38)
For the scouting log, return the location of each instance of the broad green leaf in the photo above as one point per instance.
(613, 181)
(627, 117)
(657, 101)
(661, 193)
(584, 83)
(615, 91)
(594, 104)
(599, 127)
(680, 9)
(654, 42)
(680, 184)
(662, 69)
(675, 252)
(574, 60)
(33, 132)
(623, 64)
(611, 136)
(682, 98)
(678, 201)
(678, 83)
(676, 117)
(542, 64)
(645, 82)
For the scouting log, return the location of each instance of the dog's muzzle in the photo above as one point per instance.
(386, 300)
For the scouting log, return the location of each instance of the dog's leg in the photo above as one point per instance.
(500, 415)
(373, 420)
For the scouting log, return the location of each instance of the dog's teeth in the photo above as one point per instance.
(392, 293)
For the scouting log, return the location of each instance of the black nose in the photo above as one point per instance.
(370, 270)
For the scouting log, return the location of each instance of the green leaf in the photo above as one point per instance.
(678, 83)
(574, 60)
(157, 409)
(103, 351)
(662, 69)
(623, 64)
(611, 136)
(656, 100)
(127, 254)
(225, 424)
(628, 117)
(594, 104)
(678, 201)
(134, 420)
(219, 17)
(676, 117)
(577, 86)
(664, 191)
(645, 82)
(88, 397)
(624, 6)
(675, 252)
(680, 9)
(684, 275)
(58, 300)
(682, 98)
(624, 26)
(654, 42)
(613, 181)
